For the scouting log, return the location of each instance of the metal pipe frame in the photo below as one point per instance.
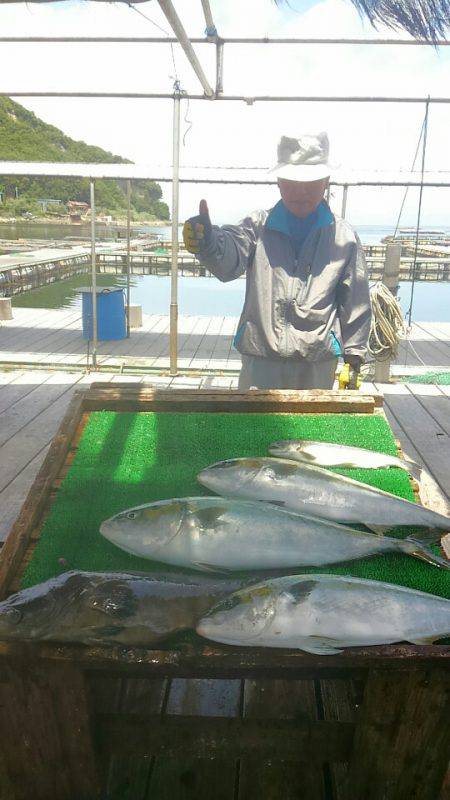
(182, 37)
(128, 254)
(94, 279)
(225, 40)
(219, 68)
(211, 30)
(233, 98)
(344, 200)
(174, 266)
(105, 172)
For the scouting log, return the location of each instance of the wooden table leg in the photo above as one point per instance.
(402, 737)
(45, 737)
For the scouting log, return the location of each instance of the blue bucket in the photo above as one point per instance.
(111, 317)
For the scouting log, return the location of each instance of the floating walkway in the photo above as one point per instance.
(27, 270)
(52, 338)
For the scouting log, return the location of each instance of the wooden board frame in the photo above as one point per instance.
(410, 678)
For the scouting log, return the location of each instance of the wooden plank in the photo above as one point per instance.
(435, 403)
(45, 739)
(199, 777)
(207, 661)
(429, 438)
(13, 496)
(17, 453)
(402, 737)
(8, 377)
(28, 408)
(306, 401)
(339, 700)
(16, 544)
(129, 775)
(209, 737)
(23, 384)
(281, 779)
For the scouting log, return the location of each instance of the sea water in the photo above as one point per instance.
(198, 296)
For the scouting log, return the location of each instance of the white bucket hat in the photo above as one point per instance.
(303, 159)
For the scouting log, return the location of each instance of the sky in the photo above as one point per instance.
(368, 137)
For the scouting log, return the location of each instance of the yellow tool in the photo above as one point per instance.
(349, 377)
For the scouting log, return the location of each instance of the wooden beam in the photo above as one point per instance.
(402, 737)
(46, 747)
(224, 737)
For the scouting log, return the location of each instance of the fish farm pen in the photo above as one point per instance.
(207, 720)
(21, 277)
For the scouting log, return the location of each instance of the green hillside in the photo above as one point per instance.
(24, 137)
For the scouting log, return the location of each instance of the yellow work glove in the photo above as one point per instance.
(349, 376)
(197, 230)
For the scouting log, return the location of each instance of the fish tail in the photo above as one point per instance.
(419, 546)
(415, 470)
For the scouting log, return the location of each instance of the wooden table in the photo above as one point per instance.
(84, 722)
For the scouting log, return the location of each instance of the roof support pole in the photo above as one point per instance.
(210, 27)
(419, 210)
(175, 198)
(219, 66)
(344, 200)
(175, 23)
(128, 253)
(93, 279)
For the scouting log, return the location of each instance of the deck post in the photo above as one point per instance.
(94, 279)
(391, 274)
(175, 198)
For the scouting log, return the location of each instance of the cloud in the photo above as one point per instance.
(376, 136)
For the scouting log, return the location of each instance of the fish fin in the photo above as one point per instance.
(321, 646)
(204, 567)
(380, 530)
(301, 590)
(420, 549)
(415, 470)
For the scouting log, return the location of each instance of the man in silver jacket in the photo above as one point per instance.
(307, 295)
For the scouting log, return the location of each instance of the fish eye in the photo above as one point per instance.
(14, 615)
(132, 514)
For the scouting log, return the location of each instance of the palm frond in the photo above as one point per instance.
(423, 19)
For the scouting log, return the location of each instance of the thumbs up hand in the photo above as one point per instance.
(197, 230)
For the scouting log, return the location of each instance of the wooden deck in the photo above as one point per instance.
(52, 338)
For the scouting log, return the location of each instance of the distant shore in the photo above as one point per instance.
(122, 222)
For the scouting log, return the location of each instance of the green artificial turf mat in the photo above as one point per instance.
(442, 378)
(126, 459)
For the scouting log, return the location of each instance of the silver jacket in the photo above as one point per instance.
(303, 305)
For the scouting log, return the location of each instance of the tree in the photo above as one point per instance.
(423, 19)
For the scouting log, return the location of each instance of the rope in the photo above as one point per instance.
(387, 326)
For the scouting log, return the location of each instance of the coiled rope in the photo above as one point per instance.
(387, 323)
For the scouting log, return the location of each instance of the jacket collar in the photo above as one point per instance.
(278, 219)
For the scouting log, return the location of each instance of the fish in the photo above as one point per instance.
(111, 608)
(331, 454)
(220, 534)
(323, 614)
(317, 492)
